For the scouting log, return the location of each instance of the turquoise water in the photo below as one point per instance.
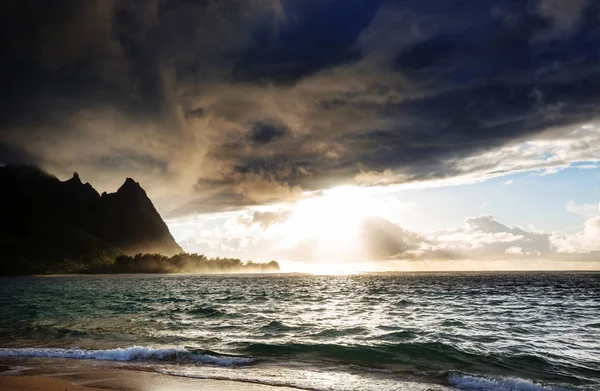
(478, 331)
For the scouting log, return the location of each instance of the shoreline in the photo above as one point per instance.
(61, 374)
(47, 383)
(55, 374)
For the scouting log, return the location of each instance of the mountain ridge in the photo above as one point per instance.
(48, 225)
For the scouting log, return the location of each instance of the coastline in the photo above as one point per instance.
(29, 374)
(61, 374)
(163, 382)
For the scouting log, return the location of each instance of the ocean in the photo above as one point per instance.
(466, 331)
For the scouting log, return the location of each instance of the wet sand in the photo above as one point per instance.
(146, 382)
(35, 374)
(25, 383)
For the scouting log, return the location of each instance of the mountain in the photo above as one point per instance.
(51, 226)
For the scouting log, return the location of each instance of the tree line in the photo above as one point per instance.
(183, 263)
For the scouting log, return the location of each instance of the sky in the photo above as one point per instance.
(326, 134)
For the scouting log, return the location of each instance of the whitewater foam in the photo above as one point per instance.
(134, 353)
(473, 383)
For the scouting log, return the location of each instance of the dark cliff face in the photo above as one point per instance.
(132, 222)
(51, 226)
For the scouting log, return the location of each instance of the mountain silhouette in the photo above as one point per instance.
(51, 226)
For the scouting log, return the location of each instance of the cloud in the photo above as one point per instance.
(230, 235)
(372, 178)
(392, 29)
(587, 166)
(384, 240)
(553, 151)
(484, 238)
(563, 13)
(583, 209)
(217, 106)
(267, 219)
(586, 241)
(481, 242)
(514, 250)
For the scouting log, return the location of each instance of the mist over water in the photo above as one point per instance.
(474, 331)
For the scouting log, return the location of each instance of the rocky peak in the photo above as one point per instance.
(136, 225)
(75, 178)
(130, 182)
(80, 190)
(130, 187)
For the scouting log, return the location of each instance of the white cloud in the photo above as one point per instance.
(585, 241)
(368, 177)
(514, 250)
(587, 166)
(482, 237)
(588, 210)
(509, 182)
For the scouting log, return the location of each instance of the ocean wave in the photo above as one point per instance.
(452, 323)
(310, 379)
(436, 356)
(40, 330)
(425, 352)
(208, 312)
(276, 326)
(134, 353)
(403, 303)
(397, 336)
(473, 383)
(336, 333)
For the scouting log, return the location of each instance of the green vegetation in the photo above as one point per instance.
(182, 263)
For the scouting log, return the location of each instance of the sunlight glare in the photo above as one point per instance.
(332, 221)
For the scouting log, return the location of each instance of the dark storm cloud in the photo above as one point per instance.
(215, 105)
(265, 133)
(316, 35)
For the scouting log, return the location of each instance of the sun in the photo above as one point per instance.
(332, 222)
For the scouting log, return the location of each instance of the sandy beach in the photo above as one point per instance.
(55, 374)
(147, 382)
(26, 383)
(29, 374)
